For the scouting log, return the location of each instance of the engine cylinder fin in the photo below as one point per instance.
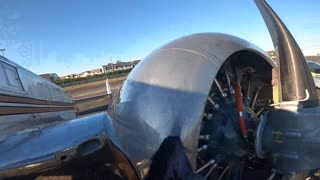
(210, 170)
(211, 162)
(223, 172)
(220, 89)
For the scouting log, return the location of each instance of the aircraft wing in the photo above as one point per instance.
(42, 148)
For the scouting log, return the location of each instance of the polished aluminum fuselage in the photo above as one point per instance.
(28, 100)
(28, 103)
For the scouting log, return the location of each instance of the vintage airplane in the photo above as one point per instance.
(207, 105)
(28, 100)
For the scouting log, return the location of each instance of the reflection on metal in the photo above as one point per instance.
(220, 89)
(28, 100)
(149, 106)
(209, 116)
(204, 137)
(202, 148)
(228, 79)
(210, 170)
(214, 105)
(211, 162)
(46, 147)
(170, 100)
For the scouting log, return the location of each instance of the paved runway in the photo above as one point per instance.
(95, 104)
(93, 90)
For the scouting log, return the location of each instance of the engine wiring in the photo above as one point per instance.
(226, 140)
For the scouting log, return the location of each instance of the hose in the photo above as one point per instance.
(239, 103)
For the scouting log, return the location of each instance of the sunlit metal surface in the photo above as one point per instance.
(166, 93)
(294, 72)
(28, 100)
(46, 147)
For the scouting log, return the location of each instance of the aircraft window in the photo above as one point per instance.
(58, 94)
(3, 77)
(9, 77)
(44, 91)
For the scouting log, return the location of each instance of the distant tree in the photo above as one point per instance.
(118, 61)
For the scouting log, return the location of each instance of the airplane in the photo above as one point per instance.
(28, 100)
(315, 71)
(204, 106)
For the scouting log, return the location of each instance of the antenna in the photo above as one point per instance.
(112, 67)
(2, 51)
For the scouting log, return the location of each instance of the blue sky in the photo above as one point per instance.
(71, 36)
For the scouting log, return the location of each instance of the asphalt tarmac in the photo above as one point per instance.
(92, 90)
(93, 96)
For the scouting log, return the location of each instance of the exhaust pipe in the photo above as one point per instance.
(296, 80)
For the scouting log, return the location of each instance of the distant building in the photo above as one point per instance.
(272, 54)
(107, 68)
(70, 76)
(64, 77)
(314, 58)
(119, 66)
(96, 71)
(50, 76)
(84, 74)
(123, 66)
(91, 72)
(308, 56)
(311, 52)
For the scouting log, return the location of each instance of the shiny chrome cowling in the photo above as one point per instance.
(38, 149)
(34, 151)
(165, 95)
